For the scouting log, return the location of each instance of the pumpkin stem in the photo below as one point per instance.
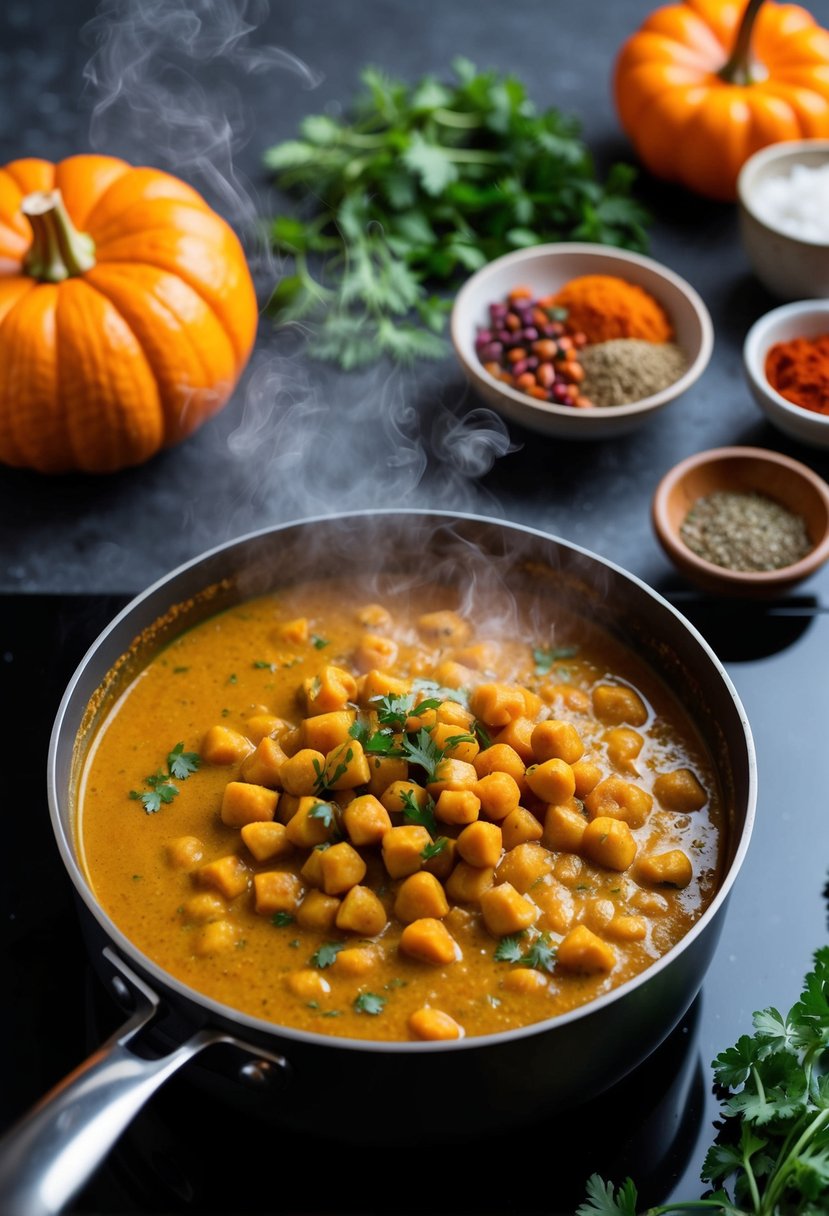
(58, 250)
(740, 68)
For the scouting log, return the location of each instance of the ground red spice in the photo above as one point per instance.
(799, 371)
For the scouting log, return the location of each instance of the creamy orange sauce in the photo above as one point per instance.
(251, 669)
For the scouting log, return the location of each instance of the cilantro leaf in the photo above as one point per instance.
(424, 751)
(281, 919)
(434, 849)
(326, 954)
(160, 789)
(541, 954)
(413, 812)
(603, 1199)
(181, 763)
(508, 949)
(370, 1002)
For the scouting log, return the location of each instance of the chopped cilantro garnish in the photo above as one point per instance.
(434, 849)
(413, 812)
(319, 643)
(545, 656)
(326, 954)
(280, 919)
(370, 1002)
(160, 787)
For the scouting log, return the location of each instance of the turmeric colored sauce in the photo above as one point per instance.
(404, 819)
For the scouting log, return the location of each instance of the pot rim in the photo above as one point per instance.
(249, 1023)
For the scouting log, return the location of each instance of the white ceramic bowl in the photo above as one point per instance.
(802, 319)
(546, 268)
(788, 267)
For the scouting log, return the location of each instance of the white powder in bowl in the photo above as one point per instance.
(797, 203)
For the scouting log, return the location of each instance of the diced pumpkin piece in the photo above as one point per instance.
(266, 840)
(276, 891)
(563, 829)
(444, 628)
(403, 849)
(375, 684)
(616, 704)
(501, 758)
(342, 868)
(671, 869)
(362, 912)
(520, 825)
(449, 674)
(366, 820)
(295, 632)
(244, 803)
(395, 796)
(506, 911)
(259, 726)
(318, 912)
(582, 950)
(307, 984)
(457, 806)
(264, 764)
(524, 979)
(587, 775)
(452, 713)
(215, 937)
(497, 704)
(373, 616)
(498, 794)
(221, 745)
(330, 689)
(552, 781)
(375, 652)
(322, 732)
(481, 844)
(627, 928)
(518, 735)
(420, 895)
(301, 773)
(442, 862)
(202, 907)
(185, 852)
(679, 791)
(385, 771)
(434, 1025)
(355, 961)
(314, 822)
(619, 799)
(346, 766)
(452, 775)
(429, 941)
(623, 746)
(466, 884)
(464, 749)
(228, 875)
(524, 865)
(556, 739)
(557, 906)
(608, 842)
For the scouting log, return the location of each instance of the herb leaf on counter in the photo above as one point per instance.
(771, 1156)
(423, 184)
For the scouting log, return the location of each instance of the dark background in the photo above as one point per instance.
(300, 438)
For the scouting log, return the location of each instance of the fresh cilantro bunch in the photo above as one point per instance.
(427, 182)
(771, 1157)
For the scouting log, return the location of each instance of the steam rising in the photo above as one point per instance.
(298, 438)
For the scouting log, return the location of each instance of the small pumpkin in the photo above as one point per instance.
(703, 84)
(127, 313)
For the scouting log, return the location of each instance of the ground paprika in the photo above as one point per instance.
(799, 371)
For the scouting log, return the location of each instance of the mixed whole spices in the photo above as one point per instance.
(799, 371)
(598, 341)
(744, 531)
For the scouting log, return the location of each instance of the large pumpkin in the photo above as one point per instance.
(703, 84)
(127, 313)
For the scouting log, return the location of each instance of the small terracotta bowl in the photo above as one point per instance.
(744, 470)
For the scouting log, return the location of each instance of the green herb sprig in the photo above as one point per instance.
(428, 181)
(161, 788)
(771, 1156)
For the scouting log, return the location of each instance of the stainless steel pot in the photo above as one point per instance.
(495, 1080)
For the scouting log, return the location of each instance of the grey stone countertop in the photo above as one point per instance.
(301, 438)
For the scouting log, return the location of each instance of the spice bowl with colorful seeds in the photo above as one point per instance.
(409, 806)
(743, 521)
(579, 341)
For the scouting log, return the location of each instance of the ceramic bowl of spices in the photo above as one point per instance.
(743, 521)
(580, 341)
(786, 361)
(783, 193)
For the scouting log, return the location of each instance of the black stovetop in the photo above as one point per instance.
(188, 1153)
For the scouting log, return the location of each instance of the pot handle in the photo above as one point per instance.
(54, 1149)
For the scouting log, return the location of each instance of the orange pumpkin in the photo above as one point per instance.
(705, 83)
(127, 313)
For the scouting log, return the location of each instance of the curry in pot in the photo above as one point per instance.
(399, 816)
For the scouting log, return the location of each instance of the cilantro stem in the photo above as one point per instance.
(782, 1173)
(457, 118)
